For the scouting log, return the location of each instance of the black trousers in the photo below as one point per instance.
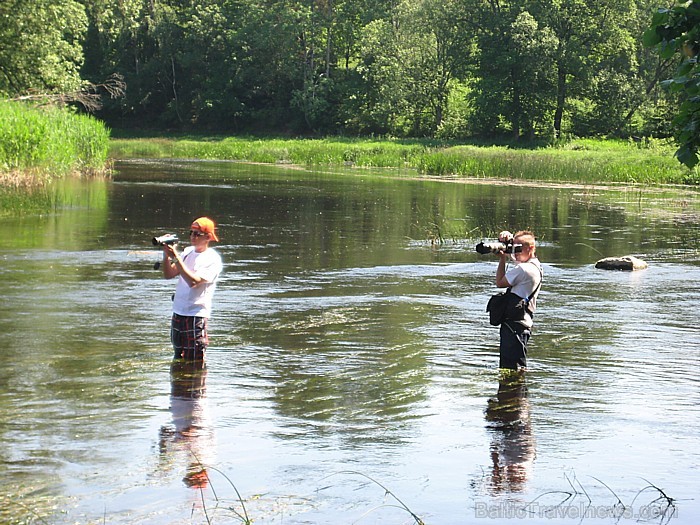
(513, 349)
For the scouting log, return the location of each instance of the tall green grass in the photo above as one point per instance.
(50, 142)
(40, 145)
(331, 151)
(588, 161)
(610, 164)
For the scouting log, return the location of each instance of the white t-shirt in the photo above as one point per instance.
(524, 279)
(196, 301)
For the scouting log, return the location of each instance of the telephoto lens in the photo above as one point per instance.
(490, 247)
(495, 247)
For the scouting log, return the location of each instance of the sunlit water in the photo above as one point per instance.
(352, 376)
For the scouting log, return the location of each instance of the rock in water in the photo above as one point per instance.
(627, 263)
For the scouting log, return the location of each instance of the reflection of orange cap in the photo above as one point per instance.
(197, 479)
(206, 225)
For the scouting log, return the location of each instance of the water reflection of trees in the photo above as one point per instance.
(349, 371)
(512, 442)
(189, 438)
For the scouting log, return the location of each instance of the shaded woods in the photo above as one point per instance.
(419, 68)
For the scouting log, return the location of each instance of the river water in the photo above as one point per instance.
(352, 374)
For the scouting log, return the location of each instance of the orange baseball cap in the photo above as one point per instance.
(205, 225)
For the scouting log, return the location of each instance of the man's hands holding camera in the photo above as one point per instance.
(506, 238)
(503, 246)
(169, 250)
(170, 253)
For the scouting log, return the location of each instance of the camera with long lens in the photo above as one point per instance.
(168, 238)
(495, 247)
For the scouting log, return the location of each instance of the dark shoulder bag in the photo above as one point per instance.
(509, 306)
(497, 307)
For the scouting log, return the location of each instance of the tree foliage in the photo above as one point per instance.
(40, 45)
(448, 68)
(676, 32)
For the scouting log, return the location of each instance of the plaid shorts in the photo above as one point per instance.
(189, 336)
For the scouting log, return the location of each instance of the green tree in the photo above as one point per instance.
(532, 75)
(514, 82)
(331, 46)
(313, 97)
(676, 33)
(408, 63)
(597, 61)
(381, 99)
(269, 54)
(368, 66)
(442, 51)
(121, 41)
(550, 66)
(650, 108)
(41, 46)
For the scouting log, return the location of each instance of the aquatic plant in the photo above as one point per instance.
(662, 507)
(387, 492)
(245, 519)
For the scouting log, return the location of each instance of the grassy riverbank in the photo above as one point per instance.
(589, 161)
(37, 144)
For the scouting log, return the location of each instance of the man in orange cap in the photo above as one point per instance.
(198, 268)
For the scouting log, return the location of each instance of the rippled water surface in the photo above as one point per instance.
(352, 374)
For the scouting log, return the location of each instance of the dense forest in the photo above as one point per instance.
(404, 68)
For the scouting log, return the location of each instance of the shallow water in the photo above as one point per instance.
(352, 370)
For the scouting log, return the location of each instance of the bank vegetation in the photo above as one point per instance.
(38, 144)
(589, 161)
(443, 77)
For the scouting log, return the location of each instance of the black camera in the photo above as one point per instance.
(168, 238)
(495, 247)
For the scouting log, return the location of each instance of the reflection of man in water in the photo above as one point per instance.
(512, 444)
(190, 434)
